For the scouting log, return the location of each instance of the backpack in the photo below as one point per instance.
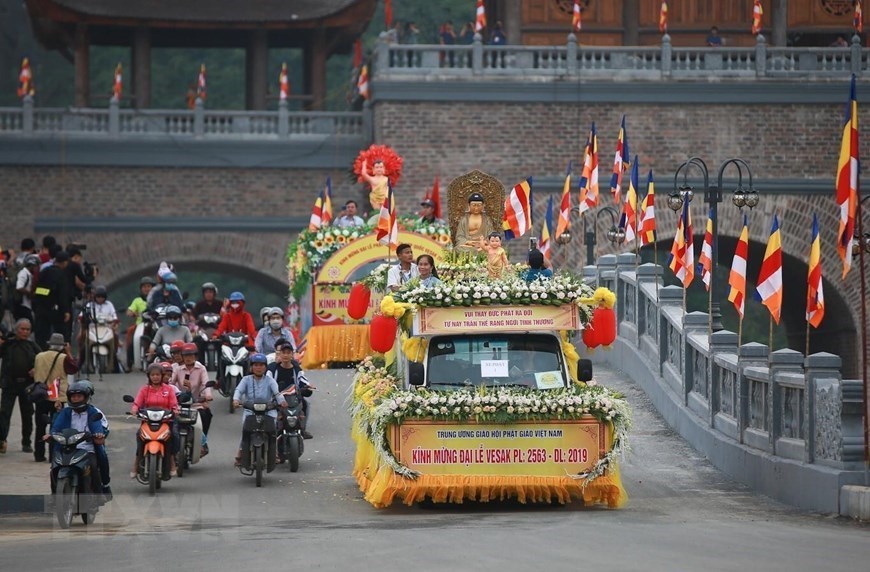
(11, 296)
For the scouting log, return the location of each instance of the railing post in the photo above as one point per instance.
(607, 272)
(625, 262)
(835, 427)
(693, 322)
(749, 355)
(283, 119)
(27, 114)
(855, 56)
(760, 56)
(114, 117)
(477, 54)
(669, 296)
(368, 119)
(721, 342)
(198, 118)
(382, 56)
(784, 360)
(572, 54)
(648, 273)
(667, 54)
(590, 275)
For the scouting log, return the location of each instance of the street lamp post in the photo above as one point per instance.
(615, 234)
(713, 196)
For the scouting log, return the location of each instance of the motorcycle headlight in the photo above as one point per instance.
(291, 420)
(259, 407)
(76, 438)
(59, 438)
(154, 415)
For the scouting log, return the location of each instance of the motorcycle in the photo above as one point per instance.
(72, 471)
(162, 353)
(260, 453)
(207, 324)
(290, 443)
(155, 432)
(100, 336)
(145, 331)
(233, 364)
(189, 432)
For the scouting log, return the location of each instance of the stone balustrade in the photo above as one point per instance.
(788, 425)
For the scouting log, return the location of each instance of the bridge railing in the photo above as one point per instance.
(779, 403)
(196, 123)
(397, 61)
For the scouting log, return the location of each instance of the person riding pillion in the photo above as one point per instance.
(288, 371)
(273, 331)
(166, 294)
(258, 388)
(192, 377)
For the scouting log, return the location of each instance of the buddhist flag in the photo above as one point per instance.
(388, 228)
(815, 296)
(705, 261)
(847, 181)
(388, 13)
(577, 19)
(118, 86)
(25, 79)
(565, 205)
(757, 13)
(663, 18)
(858, 18)
(321, 214)
(647, 231)
(737, 277)
(682, 258)
(769, 289)
(630, 208)
(589, 178)
(283, 83)
(362, 83)
(357, 53)
(436, 197)
(480, 22)
(518, 210)
(620, 162)
(201, 89)
(546, 230)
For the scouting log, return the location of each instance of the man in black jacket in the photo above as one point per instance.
(51, 300)
(18, 355)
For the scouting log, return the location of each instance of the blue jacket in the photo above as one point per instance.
(64, 421)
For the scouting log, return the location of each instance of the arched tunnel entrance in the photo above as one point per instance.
(837, 333)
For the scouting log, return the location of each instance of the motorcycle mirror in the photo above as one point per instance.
(211, 383)
(128, 399)
(416, 374)
(584, 370)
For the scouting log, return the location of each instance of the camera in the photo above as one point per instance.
(90, 270)
(533, 243)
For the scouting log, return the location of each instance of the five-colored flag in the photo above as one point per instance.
(388, 228)
(362, 83)
(284, 83)
(357, 53)
(815, 295)
(25, 79)
(565, 205)
(518, 210)
(321, 214)
(630, 207)
(847, 181)
(480, 21)
(769, 289)
(117, 87)
(858, 18)
(589, 177)
(663, 18)
(682, 257)
(705, 261)
(577, 18)
(388, 14)
(757, 13)
(435, 197)
(620, 162)
(737, 277)
(647, 225)
(201, 90)
(547, 230)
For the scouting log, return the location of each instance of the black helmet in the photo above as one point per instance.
(79, 388)
(146, 280)
(101, 292)
(173, 311)
(209, 286)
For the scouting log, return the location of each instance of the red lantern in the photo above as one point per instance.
(590, 336)
(382, 333)
(605, 325)
(358, 301)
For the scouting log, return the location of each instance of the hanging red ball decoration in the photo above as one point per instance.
(358, 301)
(590, 336)
(382, 333)
(605, 324)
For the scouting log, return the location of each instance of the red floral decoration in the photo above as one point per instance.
(392, 162)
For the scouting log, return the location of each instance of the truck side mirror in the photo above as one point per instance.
(416, 374)
(584, 370)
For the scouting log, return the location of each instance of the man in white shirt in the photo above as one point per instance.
(100, 308)
(349, 219)
(24, 285)
(405, 270)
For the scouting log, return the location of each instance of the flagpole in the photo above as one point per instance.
(770, 335)
(865, 413)
(807, 352)
(739, 331)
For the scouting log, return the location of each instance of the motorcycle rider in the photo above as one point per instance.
(237, 319)
(192, 376)
(156, 393)
(210, 304)
(166, 294)
(135, 310)
(264, 317)
(78, 416)
(99, 306)
(256, 387)
(272, 332)
(288, 371)
(175, 353)
(172, 331)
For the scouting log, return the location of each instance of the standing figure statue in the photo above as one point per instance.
(496, 257)
(378, 181)
(474, 227)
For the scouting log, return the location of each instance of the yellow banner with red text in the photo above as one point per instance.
(476, 319)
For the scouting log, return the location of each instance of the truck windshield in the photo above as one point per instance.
(528, 360)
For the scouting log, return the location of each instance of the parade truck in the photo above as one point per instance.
(323, 265)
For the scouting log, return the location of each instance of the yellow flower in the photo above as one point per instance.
(341, 239)
(444, 238)
(329, 239)
(318, 244)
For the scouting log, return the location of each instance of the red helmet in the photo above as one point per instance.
(167, 367)
(176, 346)
(189, 349)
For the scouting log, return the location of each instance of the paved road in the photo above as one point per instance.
(682, 514)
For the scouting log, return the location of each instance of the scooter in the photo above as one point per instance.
(208, 324)
(71, 469)
(189, 432)
(260, 452)
(144, 333)
(155, 432)
(291, 445)
(100, 336)
(233, 364)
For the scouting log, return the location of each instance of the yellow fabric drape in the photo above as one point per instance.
(349, 342)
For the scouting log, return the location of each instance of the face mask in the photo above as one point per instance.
(171, 287)
(234, 306)
(276, 324)
(173, 323)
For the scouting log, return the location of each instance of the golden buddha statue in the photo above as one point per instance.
(474, 227)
